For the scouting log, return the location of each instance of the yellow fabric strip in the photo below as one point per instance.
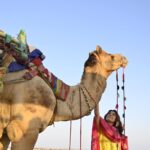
(106, 144)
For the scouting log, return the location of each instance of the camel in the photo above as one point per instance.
(27, 107)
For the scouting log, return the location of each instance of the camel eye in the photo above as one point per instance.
(112, 58)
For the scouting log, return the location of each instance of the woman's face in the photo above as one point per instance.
(111, 117)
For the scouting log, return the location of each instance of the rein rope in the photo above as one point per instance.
(124, 97)
(80, 124)
(117, 98)
(80, 119)
(17, 80)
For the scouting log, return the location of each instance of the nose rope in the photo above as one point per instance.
(124, 99)
(117, 98)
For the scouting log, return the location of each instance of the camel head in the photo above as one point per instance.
(103, 63)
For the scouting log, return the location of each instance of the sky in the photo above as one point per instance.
(66, 31)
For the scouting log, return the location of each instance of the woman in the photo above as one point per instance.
(107, 132)
(112, 118)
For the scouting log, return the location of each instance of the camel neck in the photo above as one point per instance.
(95, 83)
(70, 109)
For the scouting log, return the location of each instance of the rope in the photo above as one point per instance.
(70, 135)
(80, 124)
(18, 80)
(117, 98)
(124, 99)
(80, 120)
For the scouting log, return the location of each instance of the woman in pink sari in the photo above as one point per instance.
(107, 132)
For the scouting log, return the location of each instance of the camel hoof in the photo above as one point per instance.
(14, 132)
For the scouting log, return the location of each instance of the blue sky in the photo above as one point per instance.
(66, 31)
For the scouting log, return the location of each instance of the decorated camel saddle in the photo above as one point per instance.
(16, 55)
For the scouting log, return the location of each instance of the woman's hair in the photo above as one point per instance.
(117, 124)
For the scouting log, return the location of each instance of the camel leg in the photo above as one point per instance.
(4, 141)
(27, 142)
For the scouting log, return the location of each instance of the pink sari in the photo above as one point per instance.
(110, 132)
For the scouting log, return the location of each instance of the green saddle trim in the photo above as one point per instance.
(8, 38)
(19, 45)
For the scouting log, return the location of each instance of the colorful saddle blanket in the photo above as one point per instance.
(15, 66)
(19, 49)
(36, 67)
(60, 88)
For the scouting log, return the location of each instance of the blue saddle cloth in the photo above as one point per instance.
(35, 54)
(15, 66)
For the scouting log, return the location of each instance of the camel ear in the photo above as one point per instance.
(98, 48)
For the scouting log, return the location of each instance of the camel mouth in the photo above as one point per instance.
(91, 61)
(124, 61)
